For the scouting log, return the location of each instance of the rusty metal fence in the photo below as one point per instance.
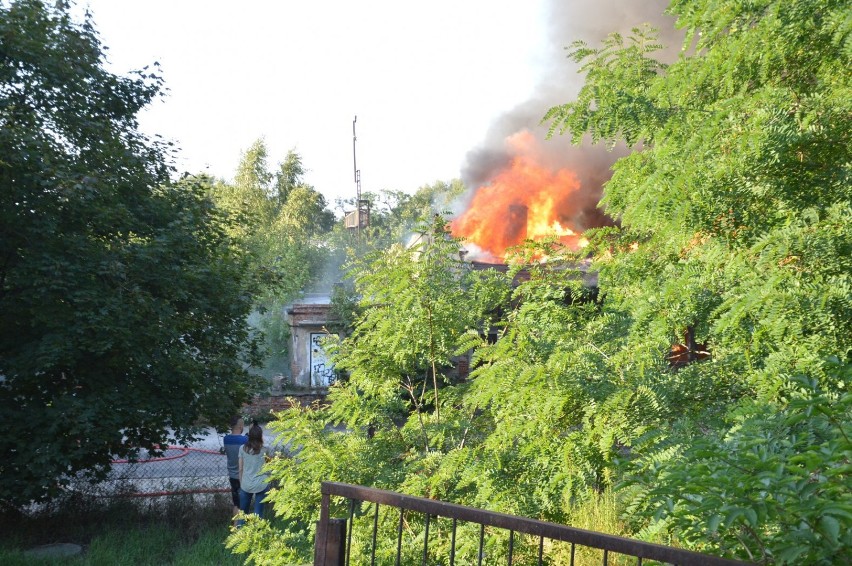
(333, 544)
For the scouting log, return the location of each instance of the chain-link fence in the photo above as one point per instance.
(176, 470)
(197, 468)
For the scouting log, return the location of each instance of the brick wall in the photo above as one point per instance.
(261, 406)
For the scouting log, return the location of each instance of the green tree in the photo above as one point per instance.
(289, 175)
(399, 401)
(249, 205)
(306, 213)
(733, 240)
(394, 215)
(122, 299)
(394, 218)
(284, 236)
(428, 282)
(734, 209)
(775, 485)
(398, 212)
(283, 230)
(253, 176)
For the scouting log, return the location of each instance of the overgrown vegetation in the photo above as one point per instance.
(177, 530)
(282, 226)
(733, 234)
(125, 296)
(293, 243)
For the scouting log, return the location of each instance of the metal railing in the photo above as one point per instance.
(332, 545)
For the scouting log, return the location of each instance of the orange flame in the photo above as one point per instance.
(524, 200)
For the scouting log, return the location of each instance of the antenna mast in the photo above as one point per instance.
(360, 217)
(355, 165)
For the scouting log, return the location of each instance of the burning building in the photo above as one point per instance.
(525, 198)
(523, 186)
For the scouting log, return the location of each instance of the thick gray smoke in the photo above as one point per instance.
(570, 20)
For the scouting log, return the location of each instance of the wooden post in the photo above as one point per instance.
(330, 543)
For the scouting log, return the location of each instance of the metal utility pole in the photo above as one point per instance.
(360, 218)
(357, 174)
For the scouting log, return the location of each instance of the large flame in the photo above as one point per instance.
(523, 200)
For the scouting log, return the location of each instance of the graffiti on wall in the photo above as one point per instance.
(322, 371)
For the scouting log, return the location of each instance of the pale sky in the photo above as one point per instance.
(426, 79)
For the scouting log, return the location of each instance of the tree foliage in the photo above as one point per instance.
(736, 201)
(123, 302)
(282, 225)
(773, 486)
(395, 215)
(395, 218)
(399, 400)
(289, 175)
(733, 242)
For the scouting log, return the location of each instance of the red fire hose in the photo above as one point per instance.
(184, 450)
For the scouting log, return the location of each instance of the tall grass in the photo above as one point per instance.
(177, 530)
(598, 512)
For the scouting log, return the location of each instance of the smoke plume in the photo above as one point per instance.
(569, 21)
